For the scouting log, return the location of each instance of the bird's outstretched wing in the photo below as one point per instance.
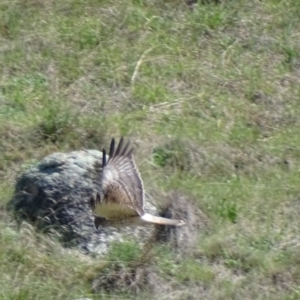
(121, 184)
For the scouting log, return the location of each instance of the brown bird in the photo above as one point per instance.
(122, 199)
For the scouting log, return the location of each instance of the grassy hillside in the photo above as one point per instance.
(210, 98)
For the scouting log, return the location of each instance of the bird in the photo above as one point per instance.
(122, 199)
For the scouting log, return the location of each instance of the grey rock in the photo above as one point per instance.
(54, 195)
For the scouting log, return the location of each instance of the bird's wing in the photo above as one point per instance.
(121, 184)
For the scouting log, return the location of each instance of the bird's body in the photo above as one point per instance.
(122, 200)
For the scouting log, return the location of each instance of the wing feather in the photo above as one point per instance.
(125, 149)
(116, 155)
(103, 158)
(112, 148)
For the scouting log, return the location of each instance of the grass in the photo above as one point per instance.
(209, 96)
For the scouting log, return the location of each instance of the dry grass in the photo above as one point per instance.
(208, 94)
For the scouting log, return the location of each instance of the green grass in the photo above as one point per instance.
(210, 94)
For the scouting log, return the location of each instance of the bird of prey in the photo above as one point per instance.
(122, 198)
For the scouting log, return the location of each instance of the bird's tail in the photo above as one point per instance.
(161, 221)
(144, 220)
